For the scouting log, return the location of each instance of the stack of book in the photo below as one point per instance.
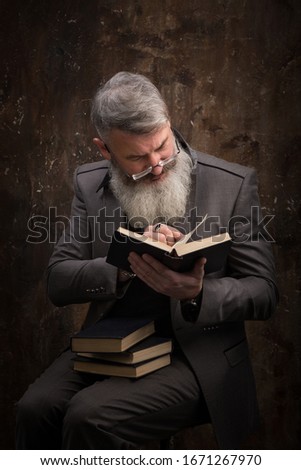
(124, 347)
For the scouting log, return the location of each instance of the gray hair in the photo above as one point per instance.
(128, 102)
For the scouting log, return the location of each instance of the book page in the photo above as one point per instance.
(156, 243)
(143, 239)
(189, 234)
(202, 244)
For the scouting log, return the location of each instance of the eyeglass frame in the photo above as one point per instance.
(147, 171)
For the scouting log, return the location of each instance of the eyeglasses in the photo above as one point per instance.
(161, 163)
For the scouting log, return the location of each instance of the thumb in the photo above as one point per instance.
(199, 265)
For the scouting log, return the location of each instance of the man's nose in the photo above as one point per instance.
(156, 167)
(157, 170)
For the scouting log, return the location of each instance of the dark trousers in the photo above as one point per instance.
(68, 410)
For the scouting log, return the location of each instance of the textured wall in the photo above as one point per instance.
(229, 72)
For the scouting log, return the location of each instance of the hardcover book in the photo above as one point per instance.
(112, 334)
(146, 349)
(94, 366)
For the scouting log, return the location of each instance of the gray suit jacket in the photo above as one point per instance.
(215, 344)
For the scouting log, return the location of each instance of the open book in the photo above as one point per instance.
(179, 257)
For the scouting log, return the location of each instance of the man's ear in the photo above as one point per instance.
(102, 148)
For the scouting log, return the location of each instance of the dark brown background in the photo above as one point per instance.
(229, 71)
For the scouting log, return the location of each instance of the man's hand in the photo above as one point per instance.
(181, 286)
(163, 233)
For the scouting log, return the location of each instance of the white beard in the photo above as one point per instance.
(146, 203)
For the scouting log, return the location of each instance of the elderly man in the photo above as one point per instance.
(150, 175)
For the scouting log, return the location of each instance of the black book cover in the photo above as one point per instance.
(112, 334)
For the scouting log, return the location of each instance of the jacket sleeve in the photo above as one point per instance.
(247, 290)
(72, 275)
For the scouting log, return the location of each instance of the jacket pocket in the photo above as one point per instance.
(237, 353)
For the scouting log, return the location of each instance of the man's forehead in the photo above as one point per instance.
(138, 144)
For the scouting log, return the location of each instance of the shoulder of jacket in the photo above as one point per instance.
(209, 161)
(98, 167)
(91, 176)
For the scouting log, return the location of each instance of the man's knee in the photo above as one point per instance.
(27, 407)
(36, 405)
(95, 426)
(88, 426)
(81, 414)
